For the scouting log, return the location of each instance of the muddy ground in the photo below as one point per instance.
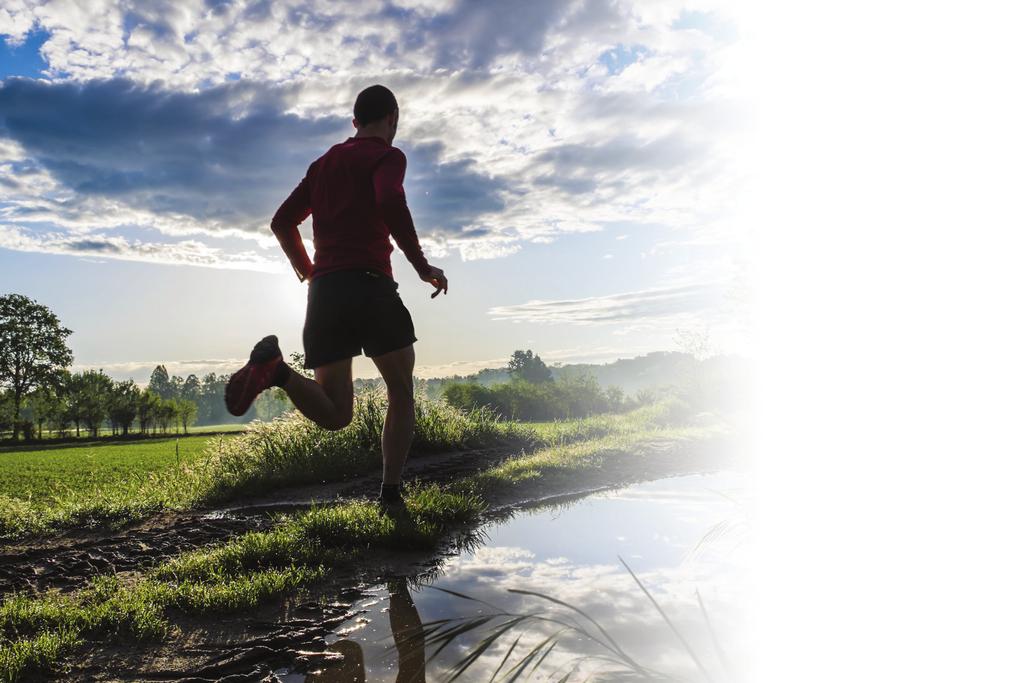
(290, 633)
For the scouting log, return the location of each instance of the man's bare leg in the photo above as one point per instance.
(327, 401)
(396, 369)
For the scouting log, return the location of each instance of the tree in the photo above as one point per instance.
(177, 384)
(123, 404)
(43, 403)
(697, 343)
(166, 413)
(93, 395)
(33, 347)
(75, 397)
(191, 389)
(48, 404)
(186, 412)
(529, 367)
(160, 383)
(208, 398)
(147, 409)
(6, 402)
(616, 398)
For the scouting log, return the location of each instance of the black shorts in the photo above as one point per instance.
(348, 310)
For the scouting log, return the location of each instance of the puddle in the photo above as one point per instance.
(264, 509)
(682, 536)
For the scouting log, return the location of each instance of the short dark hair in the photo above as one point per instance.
(374, 103)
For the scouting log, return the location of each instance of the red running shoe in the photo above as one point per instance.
(246, 384)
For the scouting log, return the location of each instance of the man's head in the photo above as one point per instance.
(376, 113)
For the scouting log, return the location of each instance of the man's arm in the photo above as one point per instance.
(390, 197)
(285, 225)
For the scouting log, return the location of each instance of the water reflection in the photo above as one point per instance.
(407, 632)
(676, 613)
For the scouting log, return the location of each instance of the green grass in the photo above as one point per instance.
(613, 437)
(557, 432)
(228, 427)
(88, 484)
(50, 473)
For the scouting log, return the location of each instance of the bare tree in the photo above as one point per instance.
(696, 342)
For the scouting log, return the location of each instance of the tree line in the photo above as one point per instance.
(89, 400)
(38, 391)
(532, 393)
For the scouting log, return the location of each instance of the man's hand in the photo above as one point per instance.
(436, 277)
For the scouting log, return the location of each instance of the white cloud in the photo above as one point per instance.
(186, 252)
(461, 367)
(140, 370)
(525, 116)
(614, 308)
(15, 21)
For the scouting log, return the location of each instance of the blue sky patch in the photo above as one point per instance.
(24, 59)
(620, 56)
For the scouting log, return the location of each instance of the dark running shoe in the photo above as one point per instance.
(392, 507)
(246, 384)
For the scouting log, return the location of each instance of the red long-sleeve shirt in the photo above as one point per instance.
(355, 194)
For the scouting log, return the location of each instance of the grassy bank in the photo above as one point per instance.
(37, 632)
(76, 487)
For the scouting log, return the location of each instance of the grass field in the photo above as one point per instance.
(207, 429)
(53, 472)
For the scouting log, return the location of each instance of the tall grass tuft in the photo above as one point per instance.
(39, 654)
(291, 450)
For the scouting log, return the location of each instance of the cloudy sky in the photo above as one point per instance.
(573, 167)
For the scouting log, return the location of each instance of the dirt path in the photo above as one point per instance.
(294, 633)
(67, 560)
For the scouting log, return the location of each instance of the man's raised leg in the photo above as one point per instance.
(396, 369)
(326, 401)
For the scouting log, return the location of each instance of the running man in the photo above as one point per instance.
(355, 194)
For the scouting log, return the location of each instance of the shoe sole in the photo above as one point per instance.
(239, 393)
